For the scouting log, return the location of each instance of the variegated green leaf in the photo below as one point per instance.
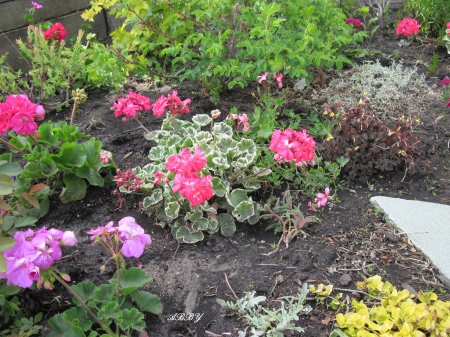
(218, 187)
(183, 235)
(193, 216)
(246, 145)
(201, 119)
(201, 224)
(222, 130)
(213, 225)
(236, 197)
(220, 163)
(172, 209)
(203, 137)
(226, 144)
(243, 211)
(153, 199)
(226, 224)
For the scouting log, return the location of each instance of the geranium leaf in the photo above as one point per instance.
(203, 136)
(79, 317)
(75, 188)
(201, 224)
(236, 197)
(226, 144)
(153, 199)
(147, 301)
(218, 187)
(222, 129)
(85, 290)
(220, 163)
(243, 211)
(213, 225)
(183, 235)
(131, 279)
(201, 119)
(109, 311)
(172, 209)
(104, 293)
(131, 319)
(226, 224)
(57, 325)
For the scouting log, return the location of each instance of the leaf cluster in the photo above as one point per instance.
(395, 313)
(235, 174)
(59, 158)
(227, 43)
(124, 310)
(266, 321)
(370, 145)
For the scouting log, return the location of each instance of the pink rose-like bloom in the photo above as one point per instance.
(215, 114)
(279, 78)
(140, 100)
(243, 121)
(262, 77)
(56, 31)
(445, 81)
(196, 190)
(36, 5)
(355, 22)
(103, 232)
(23, 123)
(322, 198)
(105, 156)
(159, 107)
(187, 163)
(293, 145)
(133, 237)
(176, 106)
(407, 27)
(5, 118)
(448, 26)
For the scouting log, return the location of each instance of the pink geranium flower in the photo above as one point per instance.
(56, 31)
(355, 22)
(448, 26)
(105, 156)
(322, 198)
(262, 77)
(407, 27)
(128, 180)
(23, 123)
(196, 190)
(279, 78)
(187, 163)
(36, 5)
(243, 122)
(293, 145)
(445, 81)
(133, 237)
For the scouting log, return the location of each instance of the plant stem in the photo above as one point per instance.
(178, 200)
(83, 304)
(12, 146)
(34, 140)
(117, 257)
(74, 109)
(142, 125)
(252, 175)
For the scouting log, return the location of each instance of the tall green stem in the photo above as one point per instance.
(83, 304)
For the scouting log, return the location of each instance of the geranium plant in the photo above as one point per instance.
(199, 179)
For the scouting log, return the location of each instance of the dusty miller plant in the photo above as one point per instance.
(266, 321)
(232, 163)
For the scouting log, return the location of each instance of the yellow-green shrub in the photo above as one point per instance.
(396, 314)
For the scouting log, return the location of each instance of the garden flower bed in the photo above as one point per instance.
(349, 242)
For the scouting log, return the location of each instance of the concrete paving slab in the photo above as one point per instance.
(426, 224)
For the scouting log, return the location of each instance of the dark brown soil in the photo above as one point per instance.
(352, 242)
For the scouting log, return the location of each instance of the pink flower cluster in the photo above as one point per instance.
(56, 31)
(34, 252)
(36, 5)
(171, 104)
(355, 22)
(446, 81)
(277, 77)
(242, 121)
(128, 180)
(407, 27)
(130, 105)
(19, 114)
(186, 166)
(291, 145)
(129, 233)
(320, 200)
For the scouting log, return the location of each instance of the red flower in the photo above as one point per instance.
(445, 81)
(355, 22)
(131, 104)
(57, 31)
(448, 26)
(407, 27)
(196, 190)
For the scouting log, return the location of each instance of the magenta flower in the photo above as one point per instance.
(36, 5)
(133, 237)
(68, 239)
(23, 124)
(196, 190)
(407, 27)
(293, 145)
(187, 163)
(322, 198)
(56, 31)
(445, 81)
(355, 22)
(130, 105)
(279, 78)
(103, 232)
(128, 180)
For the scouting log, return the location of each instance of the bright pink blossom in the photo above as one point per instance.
(187, 163)
(5, 118)
(36, 5)
(322, 198)
(262, 77)
(128, 180)
(293, 145)
(105, 156)
(445, 81)
(196, 190)
(407, 27)
(243, 122)
(56, 31)
(103, 232)
(133, 237)
(448, 26)
(355, 22)
(23, 123)
(279, 78)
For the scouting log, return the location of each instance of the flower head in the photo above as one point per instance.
(215, 114)
(262, 77)
(355, 22)
(291, 145)
(279, 78)
(105, 156)
(36, 5)
(445, 81)
(133, 237)
(196, 190)
(322, 198)
(187, 163)
(56, 31)
(128, 180)
(407, 27)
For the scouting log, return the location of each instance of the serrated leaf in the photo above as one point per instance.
(236, 197)
(172, 209)
(131, 319)
(247, 145)
(201, 119)
(105, 293)
(157, 153)
(109, 311)
(183, 234)
(75, 188)
(226, 144)
(203, 137)
(131, 279)
(221, 163)
(85, 290)
(57, 326)
(79, 317)
(222, 130)
(147, 301)
(243, 211)
(226, 224)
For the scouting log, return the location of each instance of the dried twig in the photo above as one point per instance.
(228, 283)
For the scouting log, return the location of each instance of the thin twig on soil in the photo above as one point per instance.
(228, 283)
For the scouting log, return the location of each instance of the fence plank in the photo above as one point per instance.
(72, 24)
(12, 12)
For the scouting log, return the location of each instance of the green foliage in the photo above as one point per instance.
(266, 321)
(61, 159)
(289, 218)
(11, 313)
(58, 69)
(395, 313)
(122, 308)
(227, 43)
(431, 14)
(235, 175)
(433, 67)
(21, 203)
(370, 145)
